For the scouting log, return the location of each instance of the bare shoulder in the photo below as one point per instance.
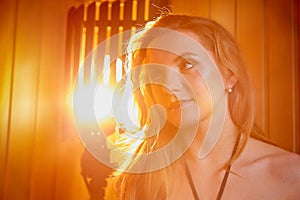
(276, 167)
(278, 157)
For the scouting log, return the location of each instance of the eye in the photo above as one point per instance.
(185, 65)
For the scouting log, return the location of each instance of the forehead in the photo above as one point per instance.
(175, 43)
(160, 56)
(167, 45)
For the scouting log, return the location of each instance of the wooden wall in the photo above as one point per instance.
(37, 160)
(40, 152)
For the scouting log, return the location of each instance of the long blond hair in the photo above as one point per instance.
(216, 39)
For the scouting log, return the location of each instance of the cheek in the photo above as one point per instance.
(202, 93)
(198, 86)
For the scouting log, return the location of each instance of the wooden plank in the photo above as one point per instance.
(49, 106)
(224, 12)
(140, 12)
(76, 37)
(22, 129)
(250, 34)
(78, 23)
(68, 74)
(8, 16)
(199, 8)
(89, 24)
(297, 72)
(127, 23)
(115, 23)
(102, 23)
(115, 18)
(279, 35)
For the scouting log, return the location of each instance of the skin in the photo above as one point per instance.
(177, 99)
(262, 171)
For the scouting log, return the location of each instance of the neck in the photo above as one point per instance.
(222, 149)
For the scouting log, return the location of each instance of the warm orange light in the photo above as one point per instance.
(103, 102)
(119, 70)
(99, 92)
(106, 73)
(94, 91)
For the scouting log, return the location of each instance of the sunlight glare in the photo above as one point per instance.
(106, 72)
(103, 102)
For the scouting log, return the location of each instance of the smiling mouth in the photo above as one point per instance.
(178, 104)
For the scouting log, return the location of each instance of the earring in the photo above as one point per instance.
(229, 90)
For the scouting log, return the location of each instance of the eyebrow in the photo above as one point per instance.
(184, 55)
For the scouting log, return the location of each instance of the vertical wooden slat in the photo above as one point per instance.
(115, 18)
(147, 10)
(78, 23)
(297, 72)
(69, 56)
(134, 10)
(21, 141)
(280, 54)
(266, 75)
(141, 13)
(224, 13)
(102, 23)
(89, 24)
(8, 22)
(127, 15)
(73, 62)
(199, 8)
(115, 23)
(50, 106)
(251, 28)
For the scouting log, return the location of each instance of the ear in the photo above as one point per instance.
(230, 80)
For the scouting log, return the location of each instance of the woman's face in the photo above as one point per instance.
(178, 85)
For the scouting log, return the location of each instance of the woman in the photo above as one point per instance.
(193, 69)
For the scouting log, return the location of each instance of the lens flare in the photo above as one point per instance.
(103, 102)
